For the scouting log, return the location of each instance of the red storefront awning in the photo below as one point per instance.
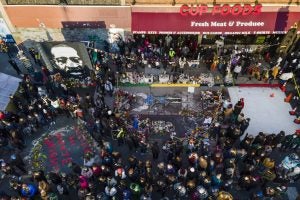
(175, 23)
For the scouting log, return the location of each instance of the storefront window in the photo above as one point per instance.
(209, 39)
(260, 39)
(181, 40)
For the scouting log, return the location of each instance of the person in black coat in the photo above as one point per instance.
(17, 161)
(244, 125)
(76, 168)
(39, 176)
(278, 139)
(155, 150)
(260, 138)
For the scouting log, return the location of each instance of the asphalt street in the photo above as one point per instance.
(125, 152)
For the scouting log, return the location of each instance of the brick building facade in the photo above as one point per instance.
(71, 22)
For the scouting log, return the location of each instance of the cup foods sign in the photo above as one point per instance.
(224, 10)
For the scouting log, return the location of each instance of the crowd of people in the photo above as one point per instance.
(223, 165)
(200, 168)
(175, 54)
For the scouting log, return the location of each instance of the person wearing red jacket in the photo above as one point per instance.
(242, 102)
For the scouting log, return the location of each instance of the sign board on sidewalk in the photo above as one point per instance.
(191, 90)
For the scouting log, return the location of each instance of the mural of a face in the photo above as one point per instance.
(66, 58)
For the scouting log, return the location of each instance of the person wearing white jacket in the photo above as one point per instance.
(109, 88)
(237, 70)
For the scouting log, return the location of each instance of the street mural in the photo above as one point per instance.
(57, 150)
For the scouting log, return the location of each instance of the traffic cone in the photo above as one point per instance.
(272, 95)
(293, 112)
(282, 87)
(288, 98)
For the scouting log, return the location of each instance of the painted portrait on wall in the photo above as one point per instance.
(69, 58)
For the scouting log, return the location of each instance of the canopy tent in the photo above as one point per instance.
(8, 85)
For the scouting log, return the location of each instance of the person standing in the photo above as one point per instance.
(100, 86)
(37, 59)
(275, 71)
(287, 141)
(98, 126)
(109, 87)
(29, 190)
(237, 70)
(244, 125)
(168, 40)
(228, 113)
(238, 107)
(155, 150)
(120, 136)
(182, 62)
(278, 139)
(16, 140)
(255, 71)
(17, 161)
(171, 53)
(79, 115)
